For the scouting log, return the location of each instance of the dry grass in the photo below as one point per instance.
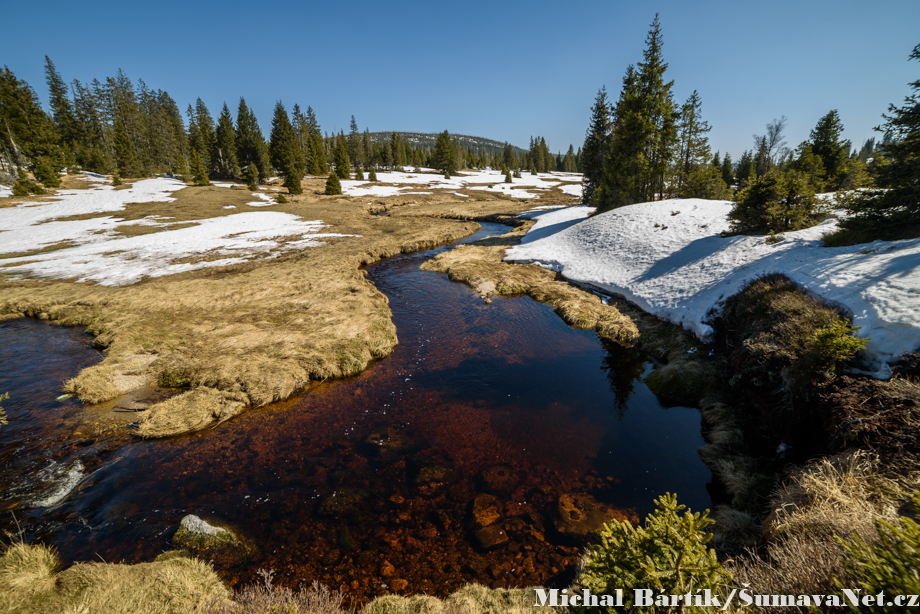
(838, 495)
(266, 598)
(30, 583)
(471, 599)
(480, 266)
(251, 333)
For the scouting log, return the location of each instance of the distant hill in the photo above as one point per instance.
(425, 139)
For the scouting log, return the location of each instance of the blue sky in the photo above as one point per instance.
(503, 70)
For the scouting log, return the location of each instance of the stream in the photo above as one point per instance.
(370, 484)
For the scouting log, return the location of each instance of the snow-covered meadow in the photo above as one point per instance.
(394, 183)
(91, 249)
(669, 259)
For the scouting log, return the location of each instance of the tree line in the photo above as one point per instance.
(122, 127)
(644, 146)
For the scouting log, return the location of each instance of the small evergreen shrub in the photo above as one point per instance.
(252, 177)
(359, 174)
(373, 174)
(24, 187)
(116, 180)
(280, 199)
(517, 173)
(446, 174)
(669, 554)
(508, 177)
(777, 201)
(333, 186)
(891, 565)
(46, 173)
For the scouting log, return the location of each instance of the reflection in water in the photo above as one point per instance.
(484, 415)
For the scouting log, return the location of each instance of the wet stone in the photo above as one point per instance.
(486, 510)
(387, 569)
(499, 480)
(581, 514)
(219, 543)
(343, 501)
(388, 444)
(491, 536)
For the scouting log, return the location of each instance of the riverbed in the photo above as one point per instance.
(367, 484)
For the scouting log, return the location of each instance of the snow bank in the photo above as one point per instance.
(391, 183)
(127, 260)
(668, 257)
(99, 254)
(5, 191)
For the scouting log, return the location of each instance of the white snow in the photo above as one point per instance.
(459, 194)
(572, 189)
(392, 183)
(5, 191)
(668, 257)
(264, 201)
(127, 260)
(104, 256)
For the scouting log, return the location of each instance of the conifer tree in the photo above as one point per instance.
(694, 145)
(828, 146)
(285, 150)
(508, 177)
(252, 177)
(61, 107)
(333, 186)
(443, 157)
(359, 174)
(355, 144)
(373, 174)
(342, 164)
(199, 172)
(250, 142)
(125, 156)
(727, 174)
(27, 134)
(895, 212)
(224, 152)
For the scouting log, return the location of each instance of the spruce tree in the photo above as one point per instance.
(252, 177)
(224, 151)
(285, 150)
(443, 157)
(359, 174)
(828, 146)
(333, 186)
(894, 213)
(61, 107)
(694, 145)
(199, 172)
(727, 174)
(373, 174)
(508, 177)
(342, 165)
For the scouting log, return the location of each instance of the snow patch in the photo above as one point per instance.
(668, 257)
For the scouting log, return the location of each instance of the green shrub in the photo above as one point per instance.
(777, 201)
(116, 180)
(668, 554)
(508, 177)
(373, 174)
(892, 565)
(359, 174)
(252, 177)
(280, 199)
(333, 186)
(46, 173)
(24, 187)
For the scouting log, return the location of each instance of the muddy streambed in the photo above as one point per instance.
(496, 413)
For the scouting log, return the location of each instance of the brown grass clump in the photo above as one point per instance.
(471, 599)
(265, 598)
(835, 496)
(30, 583)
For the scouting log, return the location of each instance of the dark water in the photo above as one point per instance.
(381, 469)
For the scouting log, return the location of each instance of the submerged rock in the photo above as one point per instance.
(389, 443)
(486, 510)
(582, 514)
(491, 537)
(216, 542)
(343, 501)
(499, 480)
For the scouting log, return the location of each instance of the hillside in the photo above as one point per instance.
(427, 139)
